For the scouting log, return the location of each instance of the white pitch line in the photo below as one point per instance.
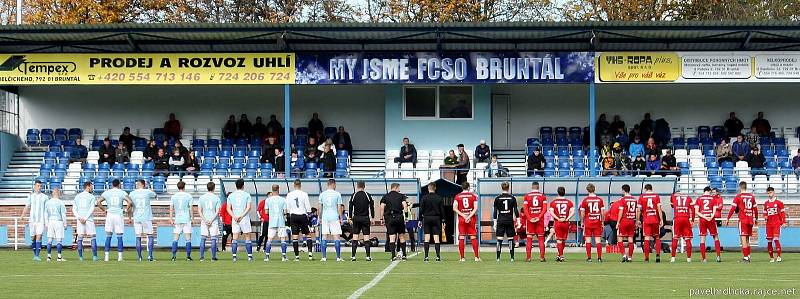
(376, 279)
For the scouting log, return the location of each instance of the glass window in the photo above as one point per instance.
(420, 102)
(455, 102)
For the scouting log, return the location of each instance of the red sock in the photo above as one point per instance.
(541, 247)
(599, 251)
(703, 250)
(560, 248)
(658, 247)
(689, 248)
(516, 238)
(475, 247)
(630, 250)
(621, 247)
(588, 250)
(746, 251)
(769, 248)
(674, 247)
(528, 247)
(717, 248)
(461, 247)
(778, 247)
(646, 249)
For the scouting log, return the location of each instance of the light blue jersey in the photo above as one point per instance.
(56, 210)
(37, 203)
(115, 200)
(238, 201)
(142, 211)
(210, 204)
(182, 203)
(330, 200)
(84, 205)
(276, 206)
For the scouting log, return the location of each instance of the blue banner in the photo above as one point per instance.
(455, 68)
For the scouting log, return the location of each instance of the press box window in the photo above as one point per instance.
(438, 102)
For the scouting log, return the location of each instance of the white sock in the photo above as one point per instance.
(119, 255)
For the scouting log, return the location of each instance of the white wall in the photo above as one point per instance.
(358, 108)
(682, 105)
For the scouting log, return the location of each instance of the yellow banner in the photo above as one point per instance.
(639, 67)
(173, 69)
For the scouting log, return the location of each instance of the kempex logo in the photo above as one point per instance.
(18, 62)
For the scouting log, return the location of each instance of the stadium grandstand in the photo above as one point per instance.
(658, 103)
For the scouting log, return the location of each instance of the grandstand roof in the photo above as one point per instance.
(472, 36)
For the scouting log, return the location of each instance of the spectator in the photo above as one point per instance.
(651, 148)
(192, 165)
(271, 134)
(753, 137)
(127, 138)
(107, 152)
(723, 151)
(621, 137)
(653, 164)
(275, 125)
(161, 162)
(328, 161)
(661, 133)
(733, 126)
(182, 149)
(636, 132)
(621, 159)
(268, 150)
(166, 147)
(408, 153)
(342, 140)
(151, 151)
(602, 124)
(176, 161)
(451, 160)
(740, 148)
(605, 137)
(279, 163)
(329, 143)
(639, 164)
(607, 160)
(636, 148)
(315, 126)
(617, 124)
(297, 167)
(756, 162)
(646, 127)
(796, 163)
(762, 125)
(536, 163)
(259, 129)
(312, 153)
(172, 127)
(245, 127)
(669, 165)
(229, 131)
(495, 168)
(482, 153)
(121, 154)
(79, 152)
(463, 165)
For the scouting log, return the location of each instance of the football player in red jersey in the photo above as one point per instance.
(610, 218)
(465, 205)
(705, 208)
(650, 206)
(745, 205)
(534, 206)
(562, 210)
(627, 221)
(683, 215)
(591, 213)
(775, 213)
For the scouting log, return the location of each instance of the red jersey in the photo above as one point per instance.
(706, 204)
(261, 213)
(748, 209)
(682, 206)
(592, 210)
(466, 202)
(718, 202)
(627, 206)
(649, 203)
(561, 207)
(613, 211)
(774, 212)
(534, 205)
(223, 214)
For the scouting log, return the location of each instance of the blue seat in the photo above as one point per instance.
(250, 173)
(768, 153)
(198, 143)
(342, 154)
(32, 137)
(266, 170)
(549, 172)
(212, 143)
(99, 184)
(301, 131)
(254, 153)
(715, 182)
(546, 131)
(128, 184)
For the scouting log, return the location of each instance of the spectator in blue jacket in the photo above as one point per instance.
(636, 148)
(79, 152)
(740, 148)
(482, 153)
(653, 164)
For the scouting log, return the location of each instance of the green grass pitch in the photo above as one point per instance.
(21, 277)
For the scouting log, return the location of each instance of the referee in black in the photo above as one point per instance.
(431, 211)
(362, 210)
(393, 204)
(505, 216)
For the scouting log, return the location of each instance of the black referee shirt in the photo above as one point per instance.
(505, 208)
(432, 206)
(362, 205)
(394, 203)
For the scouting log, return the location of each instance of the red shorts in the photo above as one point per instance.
(745, 229)
(535, 228)
(682, 228)
(773, 231)
(562, 230)
(626, 228)
(708, 227)
(467, 229)
(651, 229)
(592, 231)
